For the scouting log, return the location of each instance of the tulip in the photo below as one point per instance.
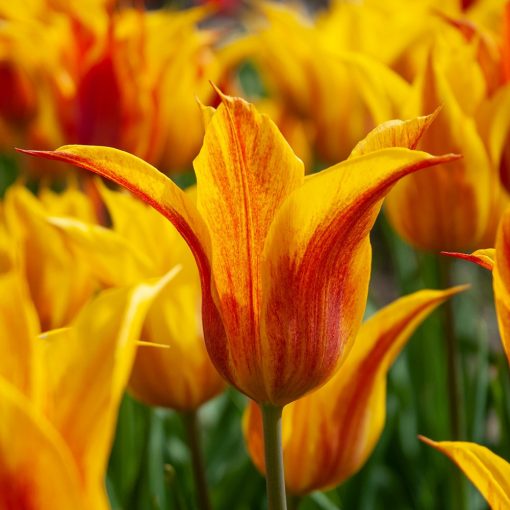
(59, 396)
(256, 213)
(59, 285)
(488, 472)
(259, 230)
(149, 66)
(329, 434)
(320, 83)
(474, 123)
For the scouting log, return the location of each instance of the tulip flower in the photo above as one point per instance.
(329, 434)
(59, 396)
(488, 472)
(259, 230)
(474, 123)
(59, 284)
(180, 377)
(319, 83)
(149, 66)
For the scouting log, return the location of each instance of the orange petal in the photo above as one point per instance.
(484, 258)
(144, 181)
(488, 472)
(324, 224)
(245, 171)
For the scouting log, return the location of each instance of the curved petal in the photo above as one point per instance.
(395, 133)
(488, 472)
(20, 360)
(245, 171)
(88, 367)
(329, 434)
(324, 224)
(484, 258)
(37, 471)
(144, 181)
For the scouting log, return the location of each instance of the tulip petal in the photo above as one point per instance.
(37, 471)
(144, 181)
(395, 133)
(245, 171)
(19, 363)
(147, 183)
(112, 260)
(40, 243)
(324, 224)
(484, 258)
(88, 368)
(488, 472)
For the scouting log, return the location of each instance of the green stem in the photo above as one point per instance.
(452, 355)
(275, 476)
(192, 427)
(454, 378)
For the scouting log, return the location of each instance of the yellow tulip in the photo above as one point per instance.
(141, 245)
(259, 231)
(59, 285)
(460, 209)
(59, 396)
(321, 84)
(329, 434)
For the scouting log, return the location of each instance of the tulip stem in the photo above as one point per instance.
(453, 367)
(191, 424)
(452, 355)
(275, 476)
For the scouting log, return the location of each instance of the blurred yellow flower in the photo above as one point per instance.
(458, 209)
(59, 285)
(59, 396)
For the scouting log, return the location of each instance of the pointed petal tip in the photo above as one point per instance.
(426, 440)
(479, 257)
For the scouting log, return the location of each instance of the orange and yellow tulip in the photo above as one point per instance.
(59, 396)
(329, 434)
(180, 377)
(59, 285)
(148, 66)
(458, 210)
(318, 84)
(259, 230)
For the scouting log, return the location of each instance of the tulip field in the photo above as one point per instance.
(254, 255)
